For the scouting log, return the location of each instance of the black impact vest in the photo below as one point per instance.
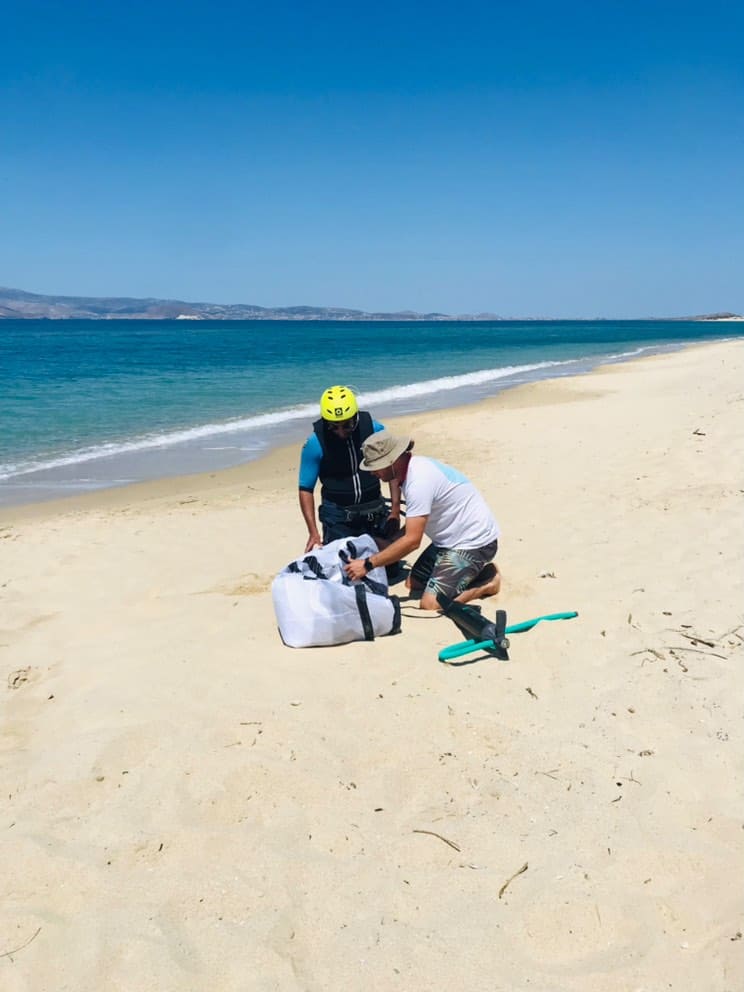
(342, 482)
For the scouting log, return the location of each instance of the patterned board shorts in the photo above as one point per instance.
(454, 569)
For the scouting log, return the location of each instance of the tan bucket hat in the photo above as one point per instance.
(380, 450)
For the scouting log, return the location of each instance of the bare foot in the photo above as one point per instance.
(490, 587)
(489, 577)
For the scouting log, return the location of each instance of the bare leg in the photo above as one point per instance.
(480, 592)
(490, 584)
(429, 601)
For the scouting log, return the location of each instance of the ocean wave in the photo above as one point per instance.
(451, 382)
(276, 418)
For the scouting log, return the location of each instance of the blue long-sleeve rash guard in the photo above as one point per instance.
(311, 456)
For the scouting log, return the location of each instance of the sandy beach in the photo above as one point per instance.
(190, 805)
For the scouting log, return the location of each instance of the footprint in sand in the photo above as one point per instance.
(20, 677)
(250, 585)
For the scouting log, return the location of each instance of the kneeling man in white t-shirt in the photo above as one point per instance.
(446, 507)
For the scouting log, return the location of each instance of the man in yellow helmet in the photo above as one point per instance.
(351, 500)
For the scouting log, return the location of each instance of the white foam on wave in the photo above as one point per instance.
(450, 382)
(263, 420)
(149, 441)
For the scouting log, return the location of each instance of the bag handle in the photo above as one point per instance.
(314, 566)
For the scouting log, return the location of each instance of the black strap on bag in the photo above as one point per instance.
(361, 599)
(345, 558)
(378, 588)
(314, 566)
(395, 629)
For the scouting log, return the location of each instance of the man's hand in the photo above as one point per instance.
(307, 506)
(313, 541)
(355, 569)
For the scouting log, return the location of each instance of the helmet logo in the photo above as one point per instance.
(338, 411)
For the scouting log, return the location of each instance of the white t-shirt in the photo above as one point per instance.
(458, 514)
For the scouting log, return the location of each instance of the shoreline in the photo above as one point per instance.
(187, 798)
(160, 486)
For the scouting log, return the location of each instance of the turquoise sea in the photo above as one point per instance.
(88, 404)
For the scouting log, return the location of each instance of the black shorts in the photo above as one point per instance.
(352, 521)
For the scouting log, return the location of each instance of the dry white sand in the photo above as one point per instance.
(189, 805)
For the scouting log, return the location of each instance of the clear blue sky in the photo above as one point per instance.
(524, 158)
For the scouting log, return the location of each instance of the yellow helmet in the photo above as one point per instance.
(338, 403)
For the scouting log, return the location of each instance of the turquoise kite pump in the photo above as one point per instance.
(483, 634)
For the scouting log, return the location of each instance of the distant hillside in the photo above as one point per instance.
(18, 304)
